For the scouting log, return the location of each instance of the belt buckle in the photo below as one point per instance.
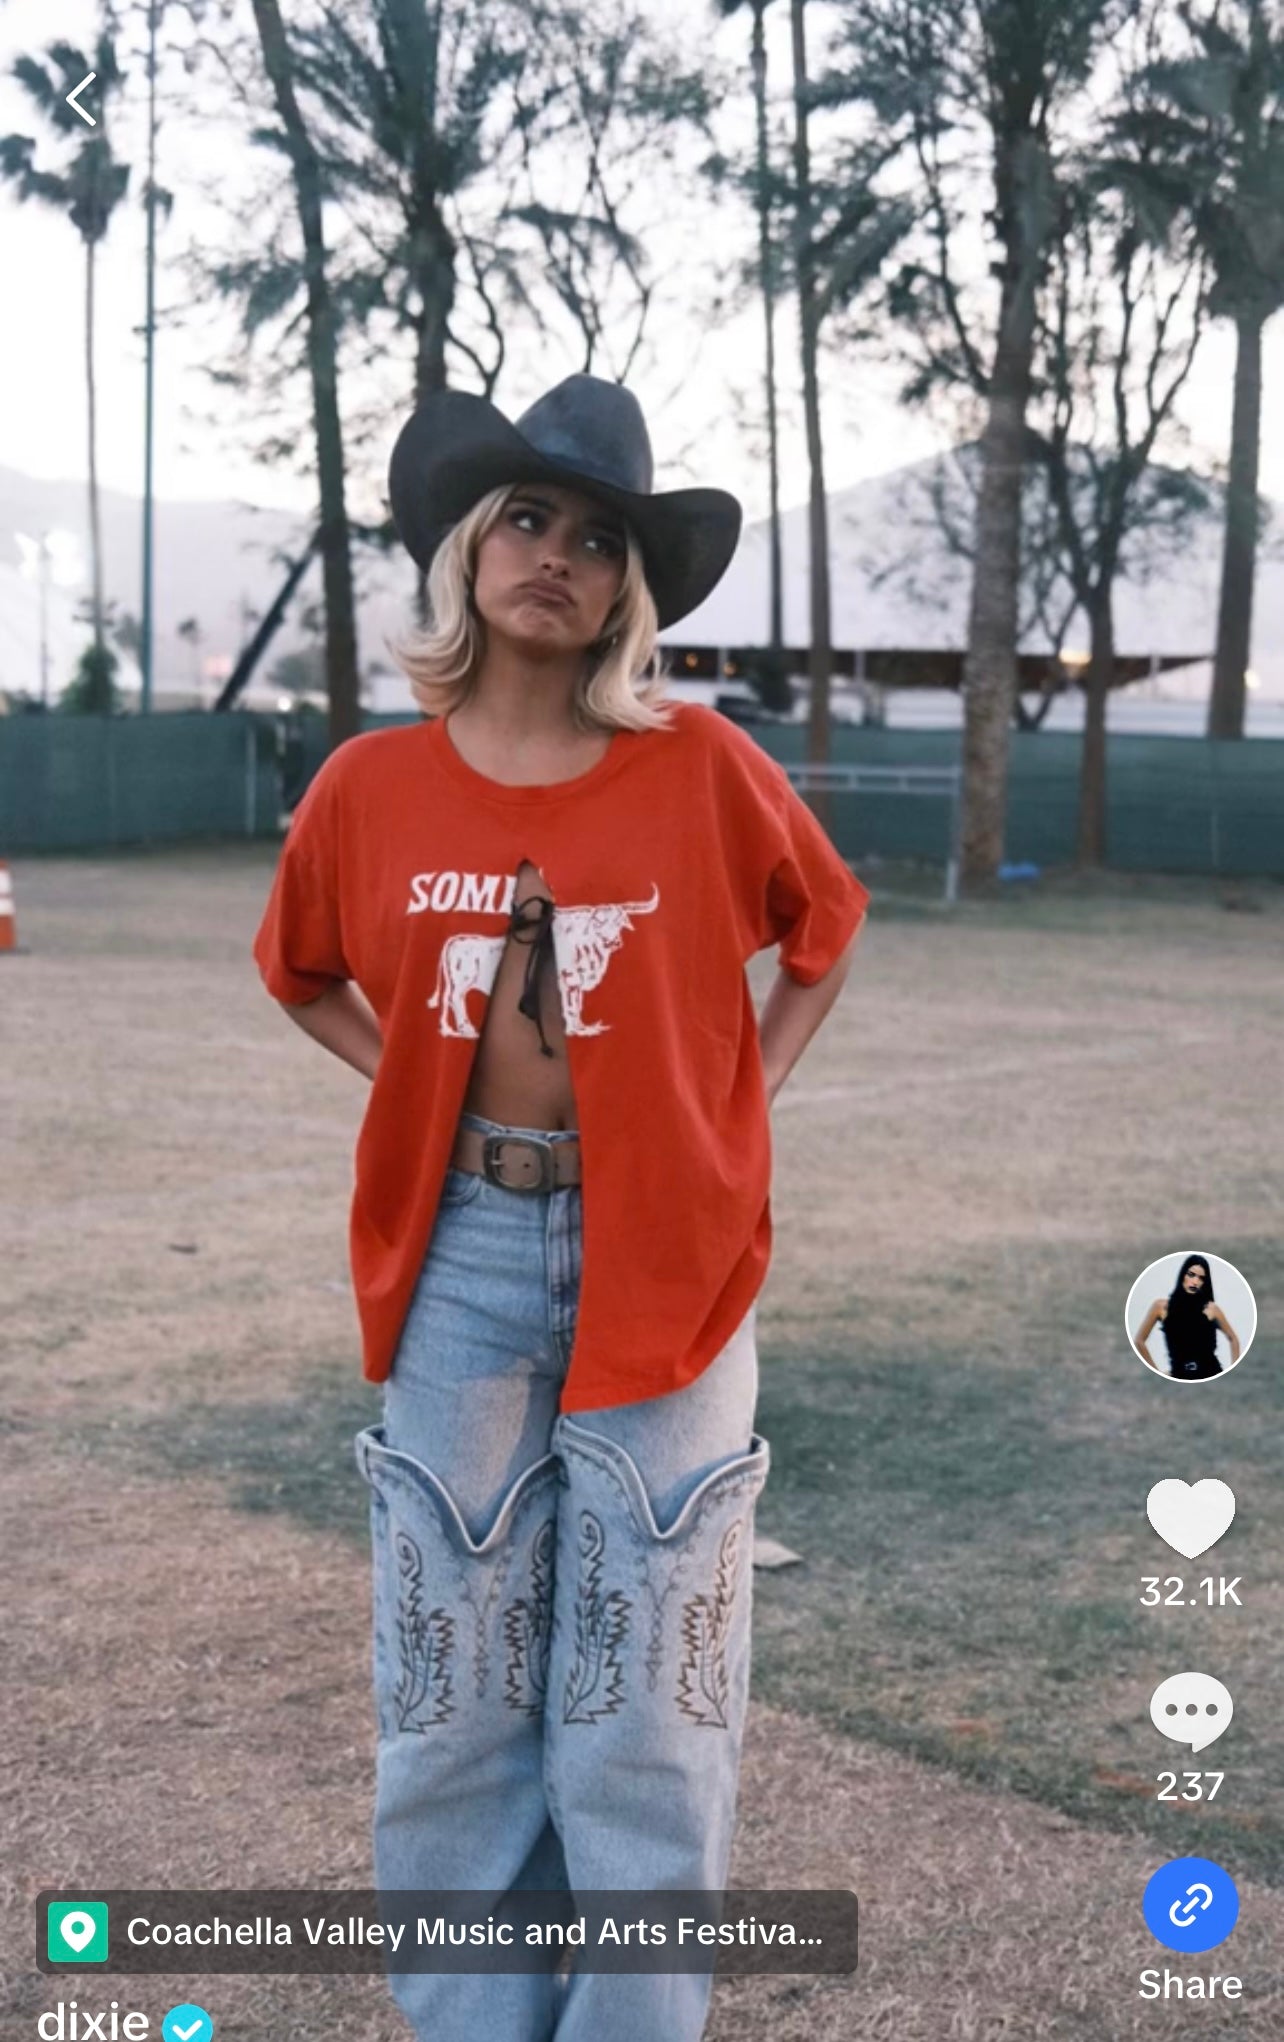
(540, 1149)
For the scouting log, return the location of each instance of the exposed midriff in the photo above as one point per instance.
(512, 1081)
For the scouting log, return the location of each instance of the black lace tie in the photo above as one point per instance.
(538, 935)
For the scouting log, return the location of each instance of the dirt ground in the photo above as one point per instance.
(186, 1677)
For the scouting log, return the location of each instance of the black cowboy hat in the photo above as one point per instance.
(586, 431)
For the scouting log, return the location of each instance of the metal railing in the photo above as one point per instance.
(935, 782)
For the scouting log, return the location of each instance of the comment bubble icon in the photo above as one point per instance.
(1191, 1708)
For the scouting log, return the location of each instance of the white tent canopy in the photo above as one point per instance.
(897, 585)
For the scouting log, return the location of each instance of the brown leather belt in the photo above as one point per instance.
(517, 1162)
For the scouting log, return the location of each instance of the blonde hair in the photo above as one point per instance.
(622, 686)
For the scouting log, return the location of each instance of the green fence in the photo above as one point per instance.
(1175, 804)
(90, 783)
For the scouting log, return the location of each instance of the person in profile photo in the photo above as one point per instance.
(526, 918)
(1191, 1319)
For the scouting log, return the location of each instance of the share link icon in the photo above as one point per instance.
(1191, 1905)
(1184, 1913)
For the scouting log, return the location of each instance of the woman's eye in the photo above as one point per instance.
(608, 540)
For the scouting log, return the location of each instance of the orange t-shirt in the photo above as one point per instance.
(671, 862)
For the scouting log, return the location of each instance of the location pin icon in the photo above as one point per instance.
(77, 1929)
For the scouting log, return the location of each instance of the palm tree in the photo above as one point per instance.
(1214, 130)
(767, 284)
(820, 648)
(88, 188)
(844, 228)
(335, 538)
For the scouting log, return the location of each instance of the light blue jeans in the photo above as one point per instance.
(561, 1618)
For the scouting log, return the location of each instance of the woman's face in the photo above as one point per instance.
(1193, 1280)
(550, 539)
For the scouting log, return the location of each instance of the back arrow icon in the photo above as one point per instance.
(72, 97)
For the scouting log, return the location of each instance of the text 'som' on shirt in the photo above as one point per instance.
(673, 861)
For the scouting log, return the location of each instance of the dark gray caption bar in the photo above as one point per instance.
(743, 1930)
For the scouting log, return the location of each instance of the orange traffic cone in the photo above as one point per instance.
(8, 918)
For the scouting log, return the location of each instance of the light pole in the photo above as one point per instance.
(43, 573)
(146, 634)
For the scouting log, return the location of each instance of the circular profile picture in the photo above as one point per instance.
(1191, 1316)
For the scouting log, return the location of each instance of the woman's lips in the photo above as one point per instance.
(547, 595)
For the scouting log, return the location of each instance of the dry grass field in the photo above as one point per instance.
(1012, 1110)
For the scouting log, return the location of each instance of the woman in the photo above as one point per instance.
(547, 894)
(1190, 1317)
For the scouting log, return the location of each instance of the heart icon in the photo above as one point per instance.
(77, 1929)
(1191, 1516)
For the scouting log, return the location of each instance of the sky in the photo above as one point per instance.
(693, 394)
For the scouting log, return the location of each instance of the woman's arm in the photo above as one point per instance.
(342, 1022)
(1228, 1330)
(1147, 1327)
(791, 1014)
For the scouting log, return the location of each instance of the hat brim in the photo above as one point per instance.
(456, 446)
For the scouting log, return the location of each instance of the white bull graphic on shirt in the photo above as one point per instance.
(584, 941)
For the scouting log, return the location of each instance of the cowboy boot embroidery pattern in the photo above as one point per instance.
(528, 1630)
(703, 1686)
(658, 1581)
(595, 1683)
(424, 1693)
(481, 1596)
